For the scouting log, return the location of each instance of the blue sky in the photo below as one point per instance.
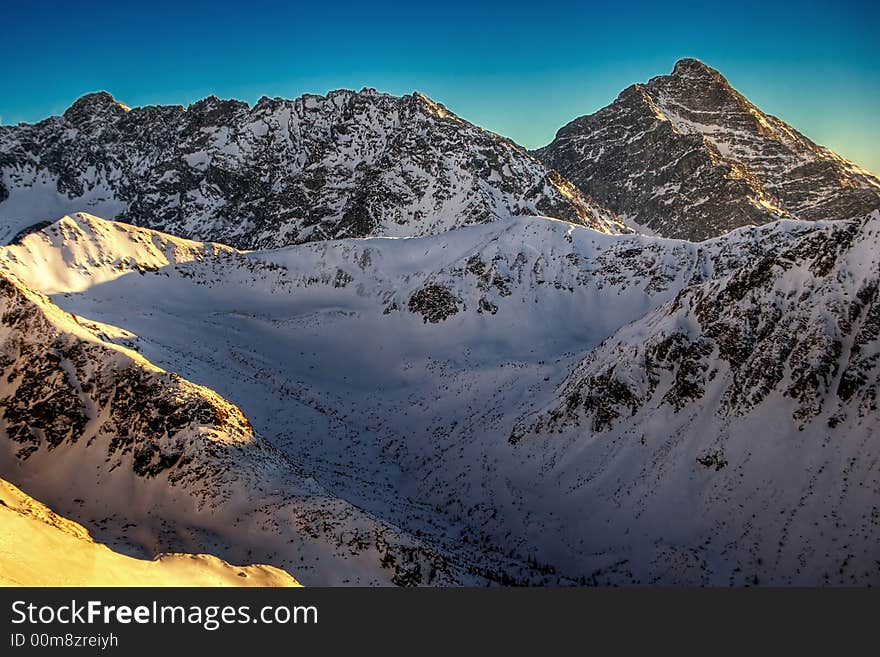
(520, 69)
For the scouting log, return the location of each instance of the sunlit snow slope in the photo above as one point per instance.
(41, 548)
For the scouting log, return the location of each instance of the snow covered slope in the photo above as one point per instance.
(152, 463)
(738, 421)
(281, 172)
(538, 402)
(41, 548)
(686, 155)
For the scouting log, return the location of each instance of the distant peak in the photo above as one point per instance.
(214, 104)
(96, 98)
(90, 106)
(693, 68)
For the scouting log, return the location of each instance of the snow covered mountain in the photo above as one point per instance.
(40, 548)
(279, 173)
(687, 156)
(502, 397)
(522, 401)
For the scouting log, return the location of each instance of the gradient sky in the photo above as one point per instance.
(522, 69)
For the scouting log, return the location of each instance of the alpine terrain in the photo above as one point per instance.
(362, 341)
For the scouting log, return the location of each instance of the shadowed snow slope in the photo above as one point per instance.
(152, 463)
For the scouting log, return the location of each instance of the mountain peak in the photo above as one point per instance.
(432, 106)
(215, 106)
(92, 105)
(697, 159)
(688, 67)
(95, 99)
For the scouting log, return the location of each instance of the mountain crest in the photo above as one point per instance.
(96, 106)
(432, 106)
(688, 67)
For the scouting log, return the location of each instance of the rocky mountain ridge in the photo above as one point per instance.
(349, 164)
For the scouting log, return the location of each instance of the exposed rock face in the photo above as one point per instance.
(434, 302)
(65, 386)
(686, 155)
(282, 172)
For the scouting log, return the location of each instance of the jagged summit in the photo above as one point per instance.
(99, 105)
(99, 101)
(95, 100)
(347, 164)
(213, 101)
(689, 67)
(686, 155)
